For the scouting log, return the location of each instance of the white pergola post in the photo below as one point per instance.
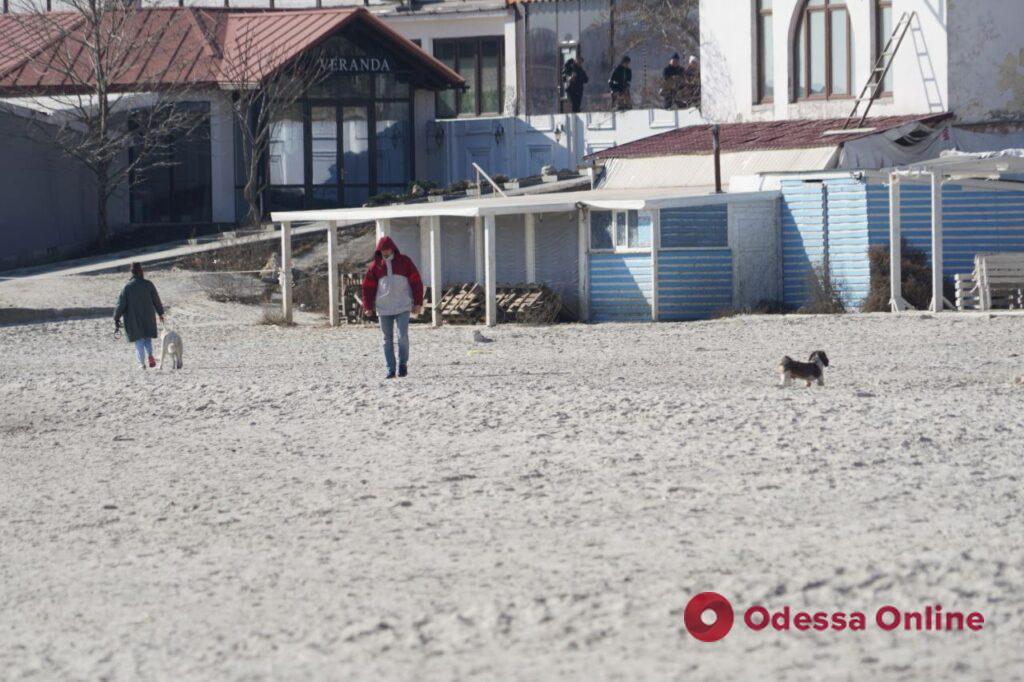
(332, 273)
(655, 242)
(936, 242)
(434, 225)
(285, 276)
(383, 228)
(424, 256)
(491, 275)
(584, 239)
(531, 247)
(478, 249)
(896, 300)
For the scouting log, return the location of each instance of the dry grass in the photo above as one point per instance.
(233, 288)
(232, 258)
(311, 293)
(916, 275)
(825, 294)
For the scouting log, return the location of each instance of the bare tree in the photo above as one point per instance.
(88, 66)
(651, 30)
(265, 85)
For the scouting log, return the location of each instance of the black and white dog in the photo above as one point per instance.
(813, 370)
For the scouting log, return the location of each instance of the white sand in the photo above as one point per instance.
(540, 510)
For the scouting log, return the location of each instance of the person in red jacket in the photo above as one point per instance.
(393, 288)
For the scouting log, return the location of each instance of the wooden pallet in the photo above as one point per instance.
(466, 303)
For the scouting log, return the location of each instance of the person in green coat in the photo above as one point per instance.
(139, 305)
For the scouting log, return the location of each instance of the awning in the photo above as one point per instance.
(980, 165)
(487, 209)
(607, 199)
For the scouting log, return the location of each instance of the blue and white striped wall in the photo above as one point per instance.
(621, 287)
(844, 216)
(803, 236)
(694, 284)
(974, 220)
(692, 275)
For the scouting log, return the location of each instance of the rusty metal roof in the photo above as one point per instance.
(173, 47)
(741, 137)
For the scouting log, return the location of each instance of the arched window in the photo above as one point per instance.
(823, 51)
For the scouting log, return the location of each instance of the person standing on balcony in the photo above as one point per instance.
(575, 78)
(691, 83)
(619, 84)
(672, 83)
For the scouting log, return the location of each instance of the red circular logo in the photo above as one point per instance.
(693, 616)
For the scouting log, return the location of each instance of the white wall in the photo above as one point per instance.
(987, 59)
(920, 71)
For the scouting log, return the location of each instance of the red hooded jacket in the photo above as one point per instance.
(401, 265)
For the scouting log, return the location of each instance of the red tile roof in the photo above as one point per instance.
(187, 46)
(743, 137)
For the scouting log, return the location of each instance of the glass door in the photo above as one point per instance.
(324, 171)
(355, 147)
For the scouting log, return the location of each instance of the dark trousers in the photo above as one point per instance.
(622, 100)
(575, 101)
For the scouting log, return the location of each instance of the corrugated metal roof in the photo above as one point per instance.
(696, 171)
(737, 137)
(186, 46)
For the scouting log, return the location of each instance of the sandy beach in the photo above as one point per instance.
(539, 507)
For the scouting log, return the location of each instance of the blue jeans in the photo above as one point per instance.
(143, 347)
(387, 325)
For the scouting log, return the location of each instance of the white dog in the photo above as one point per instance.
(170, 343)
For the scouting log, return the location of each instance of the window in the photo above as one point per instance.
(173, 183)
(286, 159)
(883, 31)
(617, 230)
(479, 61)
(823, 53)
(393, 153)
(601, 230)
(765, 57)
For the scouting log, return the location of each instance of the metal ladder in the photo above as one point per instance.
(876, 81)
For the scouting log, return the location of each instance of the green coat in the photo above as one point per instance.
(139, 304)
